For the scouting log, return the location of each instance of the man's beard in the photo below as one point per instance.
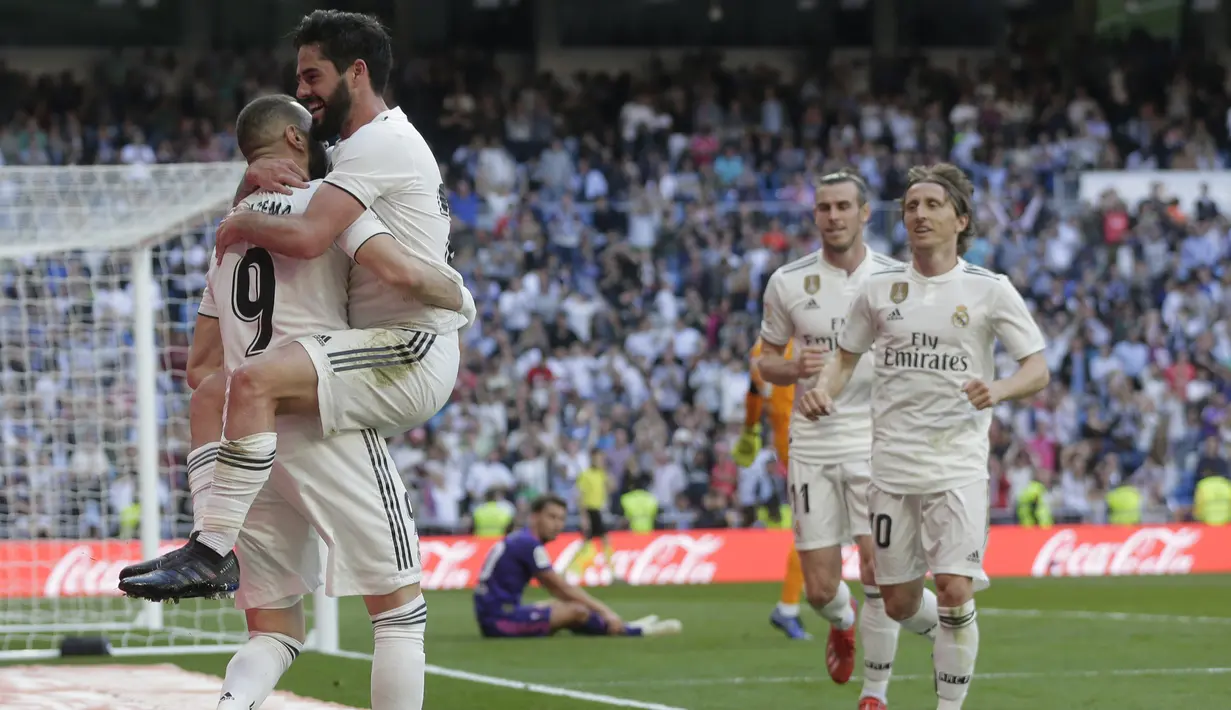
(333, 115)
(318, 160)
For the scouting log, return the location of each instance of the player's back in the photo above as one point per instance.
(508, 569)
(264, 300)
(388, 165)
(809, 299)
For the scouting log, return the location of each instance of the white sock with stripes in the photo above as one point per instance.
(398, 661)
(254, 670)
(879, 635)
(201, 479)
(240, 471)
(956, 648)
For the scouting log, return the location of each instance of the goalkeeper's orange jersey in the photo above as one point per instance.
(779, 401)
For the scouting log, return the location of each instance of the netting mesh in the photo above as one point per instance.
(69, 478)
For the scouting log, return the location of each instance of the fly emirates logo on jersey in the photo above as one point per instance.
(924, 352)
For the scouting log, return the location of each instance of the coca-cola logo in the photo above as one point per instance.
(444, 563)
(1149, 550)
(79, 573)
(673, 558)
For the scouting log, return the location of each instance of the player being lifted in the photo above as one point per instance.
(313, 476)
(931, 328)
(397, 364)
(828, 471)
(521, 557)
(781, 404)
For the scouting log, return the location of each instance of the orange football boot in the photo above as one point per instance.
(871, 704)
(840, 651)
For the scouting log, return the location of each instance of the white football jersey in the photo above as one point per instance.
(263, 300)
(388, 167)
(807, 301)
(931, 337)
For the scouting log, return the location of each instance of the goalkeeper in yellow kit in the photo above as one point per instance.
(779, 401)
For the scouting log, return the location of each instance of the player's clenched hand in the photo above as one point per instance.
(815, 403)
(811, 360)
(275, 175)
(981, 394)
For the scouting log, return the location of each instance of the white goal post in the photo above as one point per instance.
(101, 270)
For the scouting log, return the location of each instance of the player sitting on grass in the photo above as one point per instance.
(520, 557)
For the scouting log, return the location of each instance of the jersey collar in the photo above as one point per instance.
(393, 114)
(825, 265)
(942, 278)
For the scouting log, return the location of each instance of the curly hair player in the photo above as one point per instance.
(931, 328)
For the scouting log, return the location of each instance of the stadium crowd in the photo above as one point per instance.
(617, 232)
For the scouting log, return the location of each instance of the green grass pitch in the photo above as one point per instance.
(1127, 643)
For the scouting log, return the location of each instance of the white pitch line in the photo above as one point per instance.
(1105, 616)
(539, 688)
(1030, 675)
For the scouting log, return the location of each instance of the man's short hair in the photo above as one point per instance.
(541, 503)
(844, 176)
(346, 37)
(263, 120)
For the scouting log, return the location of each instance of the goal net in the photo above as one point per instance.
(101, 270)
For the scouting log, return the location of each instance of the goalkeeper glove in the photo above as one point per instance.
(747, 447)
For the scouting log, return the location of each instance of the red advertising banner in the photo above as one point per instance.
(60, 568)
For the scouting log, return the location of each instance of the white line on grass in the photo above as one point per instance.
(1031, 675)
(1105, 616)
(528, 687)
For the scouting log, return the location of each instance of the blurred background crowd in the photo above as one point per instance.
(617, 231)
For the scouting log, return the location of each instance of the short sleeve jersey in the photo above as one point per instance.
(264, 300)
(389, 168)
(931, 337)
(508, 569)
(806, 302)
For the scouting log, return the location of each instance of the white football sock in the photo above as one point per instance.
(201, 479)
(788, 609)
(398, 661)
(242, 468)
(879, 634)
(957, 647)
(838, 611)
(254, 670)
(925, 620)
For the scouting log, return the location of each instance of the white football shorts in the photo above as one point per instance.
(829, 503)
(945, 533)
(344, 489)
(388, 379)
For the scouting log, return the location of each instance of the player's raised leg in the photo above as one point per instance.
(205, 422)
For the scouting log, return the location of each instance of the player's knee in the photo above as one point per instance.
(820, 589)
(248, 384)
(576, 614)
(953, 590)
(209, 396)
(284, 616)
(900, 603)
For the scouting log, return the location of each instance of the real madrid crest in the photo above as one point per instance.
(812, 283)
(899, 291)
(960, 317)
